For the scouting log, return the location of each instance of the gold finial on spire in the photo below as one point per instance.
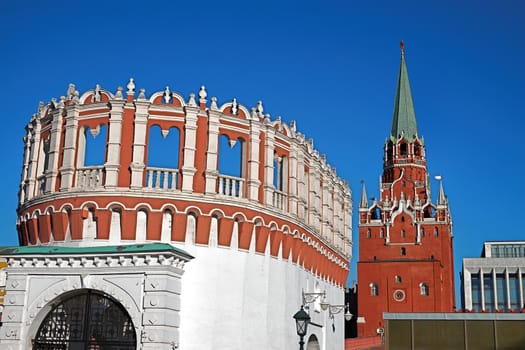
(402, 45)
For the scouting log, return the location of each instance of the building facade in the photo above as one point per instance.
(496, 280)
(255, 212)
(405, 239)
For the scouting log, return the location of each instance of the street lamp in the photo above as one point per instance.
(302, 319)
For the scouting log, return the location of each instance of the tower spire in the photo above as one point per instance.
(364, 200)
(404, 117)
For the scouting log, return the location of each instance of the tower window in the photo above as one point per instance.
(422, 232)
(368, 233)
(436, 232)
(403, 251)
(417, 150)
(423, 289)
(398, 279)
(403, 233)
(374, 290)
(382, 233)
(403, 149)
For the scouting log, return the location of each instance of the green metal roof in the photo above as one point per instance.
(114, 249)
(404, 118)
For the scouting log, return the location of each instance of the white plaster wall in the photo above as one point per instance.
(239, 300)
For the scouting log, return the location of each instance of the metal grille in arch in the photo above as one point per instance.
(86, 321)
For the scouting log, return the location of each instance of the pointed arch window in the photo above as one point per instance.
(417, 149)
(398, 279)
(403, 149)
(403, 234)
(436, 232)
(368, 233)
(403, 251)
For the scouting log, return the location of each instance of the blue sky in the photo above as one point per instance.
(331, 66)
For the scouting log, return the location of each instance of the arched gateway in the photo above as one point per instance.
(86, 321)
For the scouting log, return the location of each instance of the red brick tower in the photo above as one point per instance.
(405, 240)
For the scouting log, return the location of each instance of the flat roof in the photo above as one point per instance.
(510, 316)
(111, 249)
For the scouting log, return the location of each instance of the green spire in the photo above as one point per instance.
(404, 118)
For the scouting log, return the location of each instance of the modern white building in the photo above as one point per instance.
(496, 280)
(193, 224)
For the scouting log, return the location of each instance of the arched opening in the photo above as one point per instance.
(423, 289)
(313, 343)
(85, 321)
(389, 151)
(376, 214)
(163, 158)
(231, 166)
(403, 149)
(374, 290)
(417, 149)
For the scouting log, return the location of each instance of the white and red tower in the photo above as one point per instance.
(405, 239)
(264, 227)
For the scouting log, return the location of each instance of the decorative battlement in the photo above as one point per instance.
(175, 169)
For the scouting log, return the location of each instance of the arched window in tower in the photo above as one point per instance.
(142, 225)
(403, 149)
(280, 180)
(167, 221)
(115, 228)
(49, 213)
(69, 224)
(376, 213)
(382, 233)
(436, 232)
(191, 228)
(374, 290)
(398, 279)
(368, 233)
(422, 231)
(417, 149)
(163, 158)
(89, 225)
(91, 156)
(43, 165)
(403, 251)
(403, 234)
(423, 287)
(231, 167)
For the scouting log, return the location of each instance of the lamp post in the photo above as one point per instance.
(302, 319)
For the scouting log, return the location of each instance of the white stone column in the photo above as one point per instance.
(190, 143)
(54, 149)
(302, 194)
(212, 152)
(482, 288)
(293, 175)
(33, 159)
(507, 289)
(520, 282)
(24, 181)
(70, 142)
(139, 143)
(268, 162)
(495, 288)
(112, 165)
(467, 284)
(253, 161)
